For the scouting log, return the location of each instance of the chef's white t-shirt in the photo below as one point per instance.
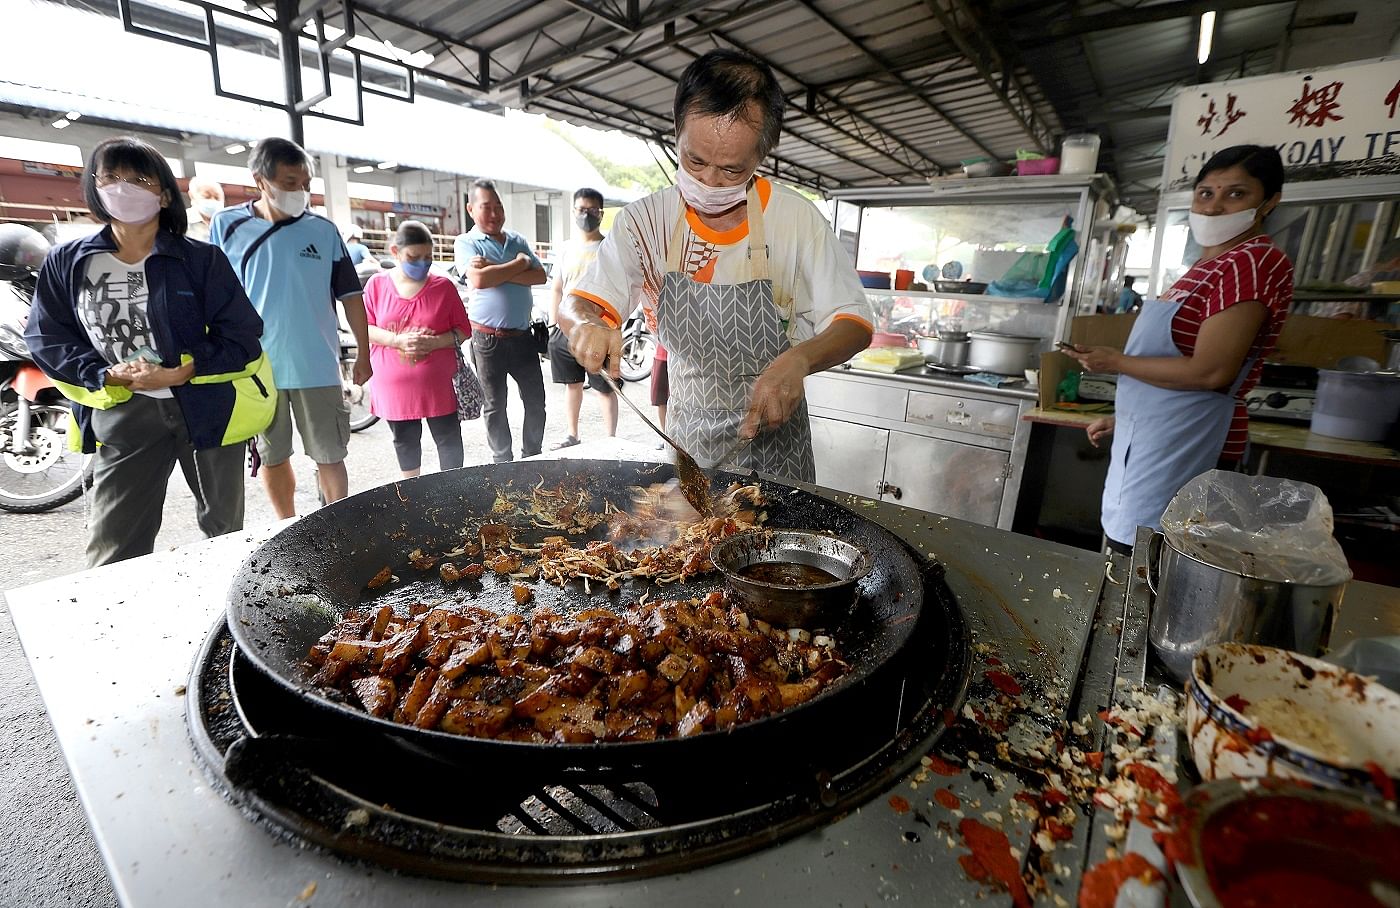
(814, 282)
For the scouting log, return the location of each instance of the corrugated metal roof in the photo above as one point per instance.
(877, 91)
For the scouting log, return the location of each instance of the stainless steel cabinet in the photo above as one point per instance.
(945, 477)
(930, 474)
(849, 457)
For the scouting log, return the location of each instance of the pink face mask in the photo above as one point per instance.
(709, 199)
(128, 203)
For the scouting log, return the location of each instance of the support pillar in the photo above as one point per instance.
(336, 179)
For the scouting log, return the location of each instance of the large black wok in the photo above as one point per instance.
(296, 586)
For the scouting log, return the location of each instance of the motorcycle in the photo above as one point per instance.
(38, 472)
(638, 347)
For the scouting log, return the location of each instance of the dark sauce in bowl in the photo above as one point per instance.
(787, 573)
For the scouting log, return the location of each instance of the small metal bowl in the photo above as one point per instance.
(788, 605)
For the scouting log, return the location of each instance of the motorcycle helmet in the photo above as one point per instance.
(22, 251)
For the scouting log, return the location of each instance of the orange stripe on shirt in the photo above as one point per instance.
(609, 313)
(854, 318)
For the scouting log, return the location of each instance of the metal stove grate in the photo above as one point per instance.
(398, 808)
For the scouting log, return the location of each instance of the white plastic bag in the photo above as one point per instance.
(1259, 526)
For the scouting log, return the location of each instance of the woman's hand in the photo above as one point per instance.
(1096, 359)
(776, 394)
(144, 376)
(416, 343)
(1100, 429)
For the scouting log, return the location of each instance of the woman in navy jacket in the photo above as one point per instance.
(151, 337)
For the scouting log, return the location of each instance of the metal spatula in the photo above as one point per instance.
(695, 483)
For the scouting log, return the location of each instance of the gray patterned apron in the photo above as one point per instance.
(718, 339)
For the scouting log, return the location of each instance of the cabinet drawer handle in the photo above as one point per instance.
(884, 488)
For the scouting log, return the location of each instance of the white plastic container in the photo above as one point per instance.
(1079, 153)
(1362, 406)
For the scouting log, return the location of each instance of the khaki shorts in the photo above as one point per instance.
(323, 421)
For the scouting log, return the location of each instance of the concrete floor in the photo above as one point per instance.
(47, 856)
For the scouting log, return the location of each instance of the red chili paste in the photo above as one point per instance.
(991, 861)
(1101, 883)
(1287, 852)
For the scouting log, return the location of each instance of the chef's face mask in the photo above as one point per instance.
(709, 199)
(1214, 229)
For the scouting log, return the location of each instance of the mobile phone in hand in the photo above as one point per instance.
(144, 355)
(1071, 348)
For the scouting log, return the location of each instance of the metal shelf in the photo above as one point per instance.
(969, 297)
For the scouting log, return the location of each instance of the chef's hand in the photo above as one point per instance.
(594, 344)
(776, 394)
(1099, 429)
(1096, 359)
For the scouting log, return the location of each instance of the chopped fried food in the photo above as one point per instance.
(652, 670)
(384, 576)
(449, 573)
(521, 593)
(504, 564)
(420, 561)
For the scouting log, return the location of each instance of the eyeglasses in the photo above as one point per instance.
(588, 210)
(146, 183)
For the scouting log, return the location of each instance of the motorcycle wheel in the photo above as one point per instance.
(638, 352)
(50, 475)
(358, 398)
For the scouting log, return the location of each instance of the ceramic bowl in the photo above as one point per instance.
(1229, 682)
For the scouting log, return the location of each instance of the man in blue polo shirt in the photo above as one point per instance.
(501, 268)
(294, 267)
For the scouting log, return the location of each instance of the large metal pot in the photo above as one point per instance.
(1198, 604)
(1005, 354)
(947, 349)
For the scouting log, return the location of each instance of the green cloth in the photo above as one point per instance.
(1053, 251)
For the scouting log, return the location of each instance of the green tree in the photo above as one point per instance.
(644, 178)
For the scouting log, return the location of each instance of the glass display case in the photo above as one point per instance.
(1334, 232)
(978, 250)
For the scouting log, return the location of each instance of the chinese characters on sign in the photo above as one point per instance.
(1230, 115)
(1316, 108)
(1339, 120)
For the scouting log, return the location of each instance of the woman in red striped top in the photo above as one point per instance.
(1195, 352)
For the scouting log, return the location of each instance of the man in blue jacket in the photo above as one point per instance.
(295, 267)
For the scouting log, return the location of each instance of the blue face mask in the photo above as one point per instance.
(416, 271)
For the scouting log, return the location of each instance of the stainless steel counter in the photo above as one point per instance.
(920, 379)
(111, 650)
(934, 443)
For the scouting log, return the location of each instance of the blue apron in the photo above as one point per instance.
(1163, 438)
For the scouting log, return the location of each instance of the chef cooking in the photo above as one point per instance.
(750, 290)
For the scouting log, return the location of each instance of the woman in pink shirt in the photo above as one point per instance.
(415, 320)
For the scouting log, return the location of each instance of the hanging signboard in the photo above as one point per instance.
(1331, 122)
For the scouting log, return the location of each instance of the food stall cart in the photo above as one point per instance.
(1338, 131)
(1047, 636)
(932, 438)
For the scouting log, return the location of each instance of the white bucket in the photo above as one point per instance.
(1362, 406)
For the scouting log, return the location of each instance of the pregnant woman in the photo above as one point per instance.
(415, 320)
